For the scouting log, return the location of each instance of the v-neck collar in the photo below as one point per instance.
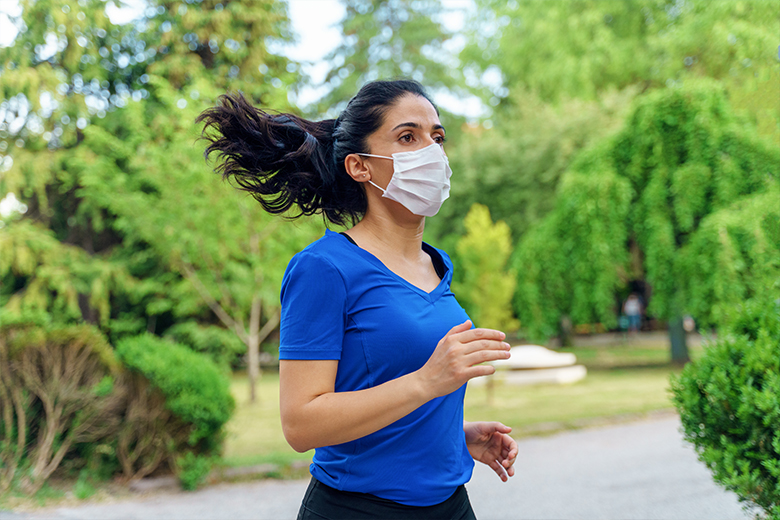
(430, 250)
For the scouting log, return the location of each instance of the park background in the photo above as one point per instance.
(599, 149)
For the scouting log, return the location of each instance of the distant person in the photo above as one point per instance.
(375, 351)
(632, 308)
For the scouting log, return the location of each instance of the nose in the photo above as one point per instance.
(429, 140)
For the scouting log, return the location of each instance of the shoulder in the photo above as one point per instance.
(325, 257)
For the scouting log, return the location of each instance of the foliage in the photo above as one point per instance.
(56, 277)
(583, 48)
(729, 404)
(149, 433)
(219, 344)
(559, 76)
(735, 256)
(568, 264)
(485, 287)
(514, 168)
(57, 388)
(193, 470)
(105, 155)
(630, 206)
(195, 390)
(383, 39)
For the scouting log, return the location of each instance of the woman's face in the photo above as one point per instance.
(410, 124)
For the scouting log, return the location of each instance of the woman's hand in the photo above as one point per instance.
(490, 443)
(458, 358)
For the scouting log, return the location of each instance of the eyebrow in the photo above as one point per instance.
(415, 125)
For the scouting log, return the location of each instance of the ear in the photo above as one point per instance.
(357, 168)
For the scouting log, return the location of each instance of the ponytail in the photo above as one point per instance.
(289, 163)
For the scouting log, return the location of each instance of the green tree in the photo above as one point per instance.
(514, 167)
(582, 48)
(631, 206)
(384, 39)
(230, 254)
(734, 257)
(101, 118)
(485, 287)
(560, 74)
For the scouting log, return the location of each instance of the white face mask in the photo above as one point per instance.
(421, 179)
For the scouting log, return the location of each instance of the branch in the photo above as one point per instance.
(214, 304)
(269, 326)
(217, 272)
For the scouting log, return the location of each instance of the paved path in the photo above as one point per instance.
(641, 470)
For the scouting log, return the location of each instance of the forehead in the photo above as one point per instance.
(411, 108)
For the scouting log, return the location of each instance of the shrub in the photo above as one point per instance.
(193, 469)
(729, 404)
(195, 391)
(57, 388)
(146, 437)
(220, 344)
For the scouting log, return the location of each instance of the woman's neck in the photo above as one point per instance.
(389, 235)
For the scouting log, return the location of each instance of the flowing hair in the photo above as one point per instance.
(289, 163)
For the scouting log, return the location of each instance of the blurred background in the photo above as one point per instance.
(615, 195)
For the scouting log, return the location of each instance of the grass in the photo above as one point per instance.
(254, 433)
(623, 381)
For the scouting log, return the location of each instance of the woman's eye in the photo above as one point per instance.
(407, 138)
(440, 139)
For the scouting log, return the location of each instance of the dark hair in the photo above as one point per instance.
(284, 160)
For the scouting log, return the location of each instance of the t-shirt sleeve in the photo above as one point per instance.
(313, 317)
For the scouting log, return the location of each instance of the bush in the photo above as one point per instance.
(58, 388)
(220, 344)
(193, 470)
(67, 401)
(195, 391)
(729, 404)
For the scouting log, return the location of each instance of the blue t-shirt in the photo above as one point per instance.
(341, 302)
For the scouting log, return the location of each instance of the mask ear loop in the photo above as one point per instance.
(372, 155)
(381, 157)
(377, 187)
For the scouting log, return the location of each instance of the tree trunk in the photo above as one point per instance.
(564, 329)
(677, 337)
(253, 347)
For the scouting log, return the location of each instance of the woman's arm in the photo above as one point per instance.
(314, 415)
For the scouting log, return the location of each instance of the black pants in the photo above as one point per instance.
(324, 502)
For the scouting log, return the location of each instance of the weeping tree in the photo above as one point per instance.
(630, 209)
(734, 257)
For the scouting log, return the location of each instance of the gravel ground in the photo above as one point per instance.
(640, 470)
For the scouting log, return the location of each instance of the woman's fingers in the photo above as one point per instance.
(485, 345)
(469, 334)
(500, 471)
(459, 329)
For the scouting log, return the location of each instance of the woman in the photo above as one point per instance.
(375, 351)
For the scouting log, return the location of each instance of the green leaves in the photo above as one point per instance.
(485, 287)
(664, 183)
(195, 389)
(730, 407)
(585, 48)
(570, 264)
(385, 39)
